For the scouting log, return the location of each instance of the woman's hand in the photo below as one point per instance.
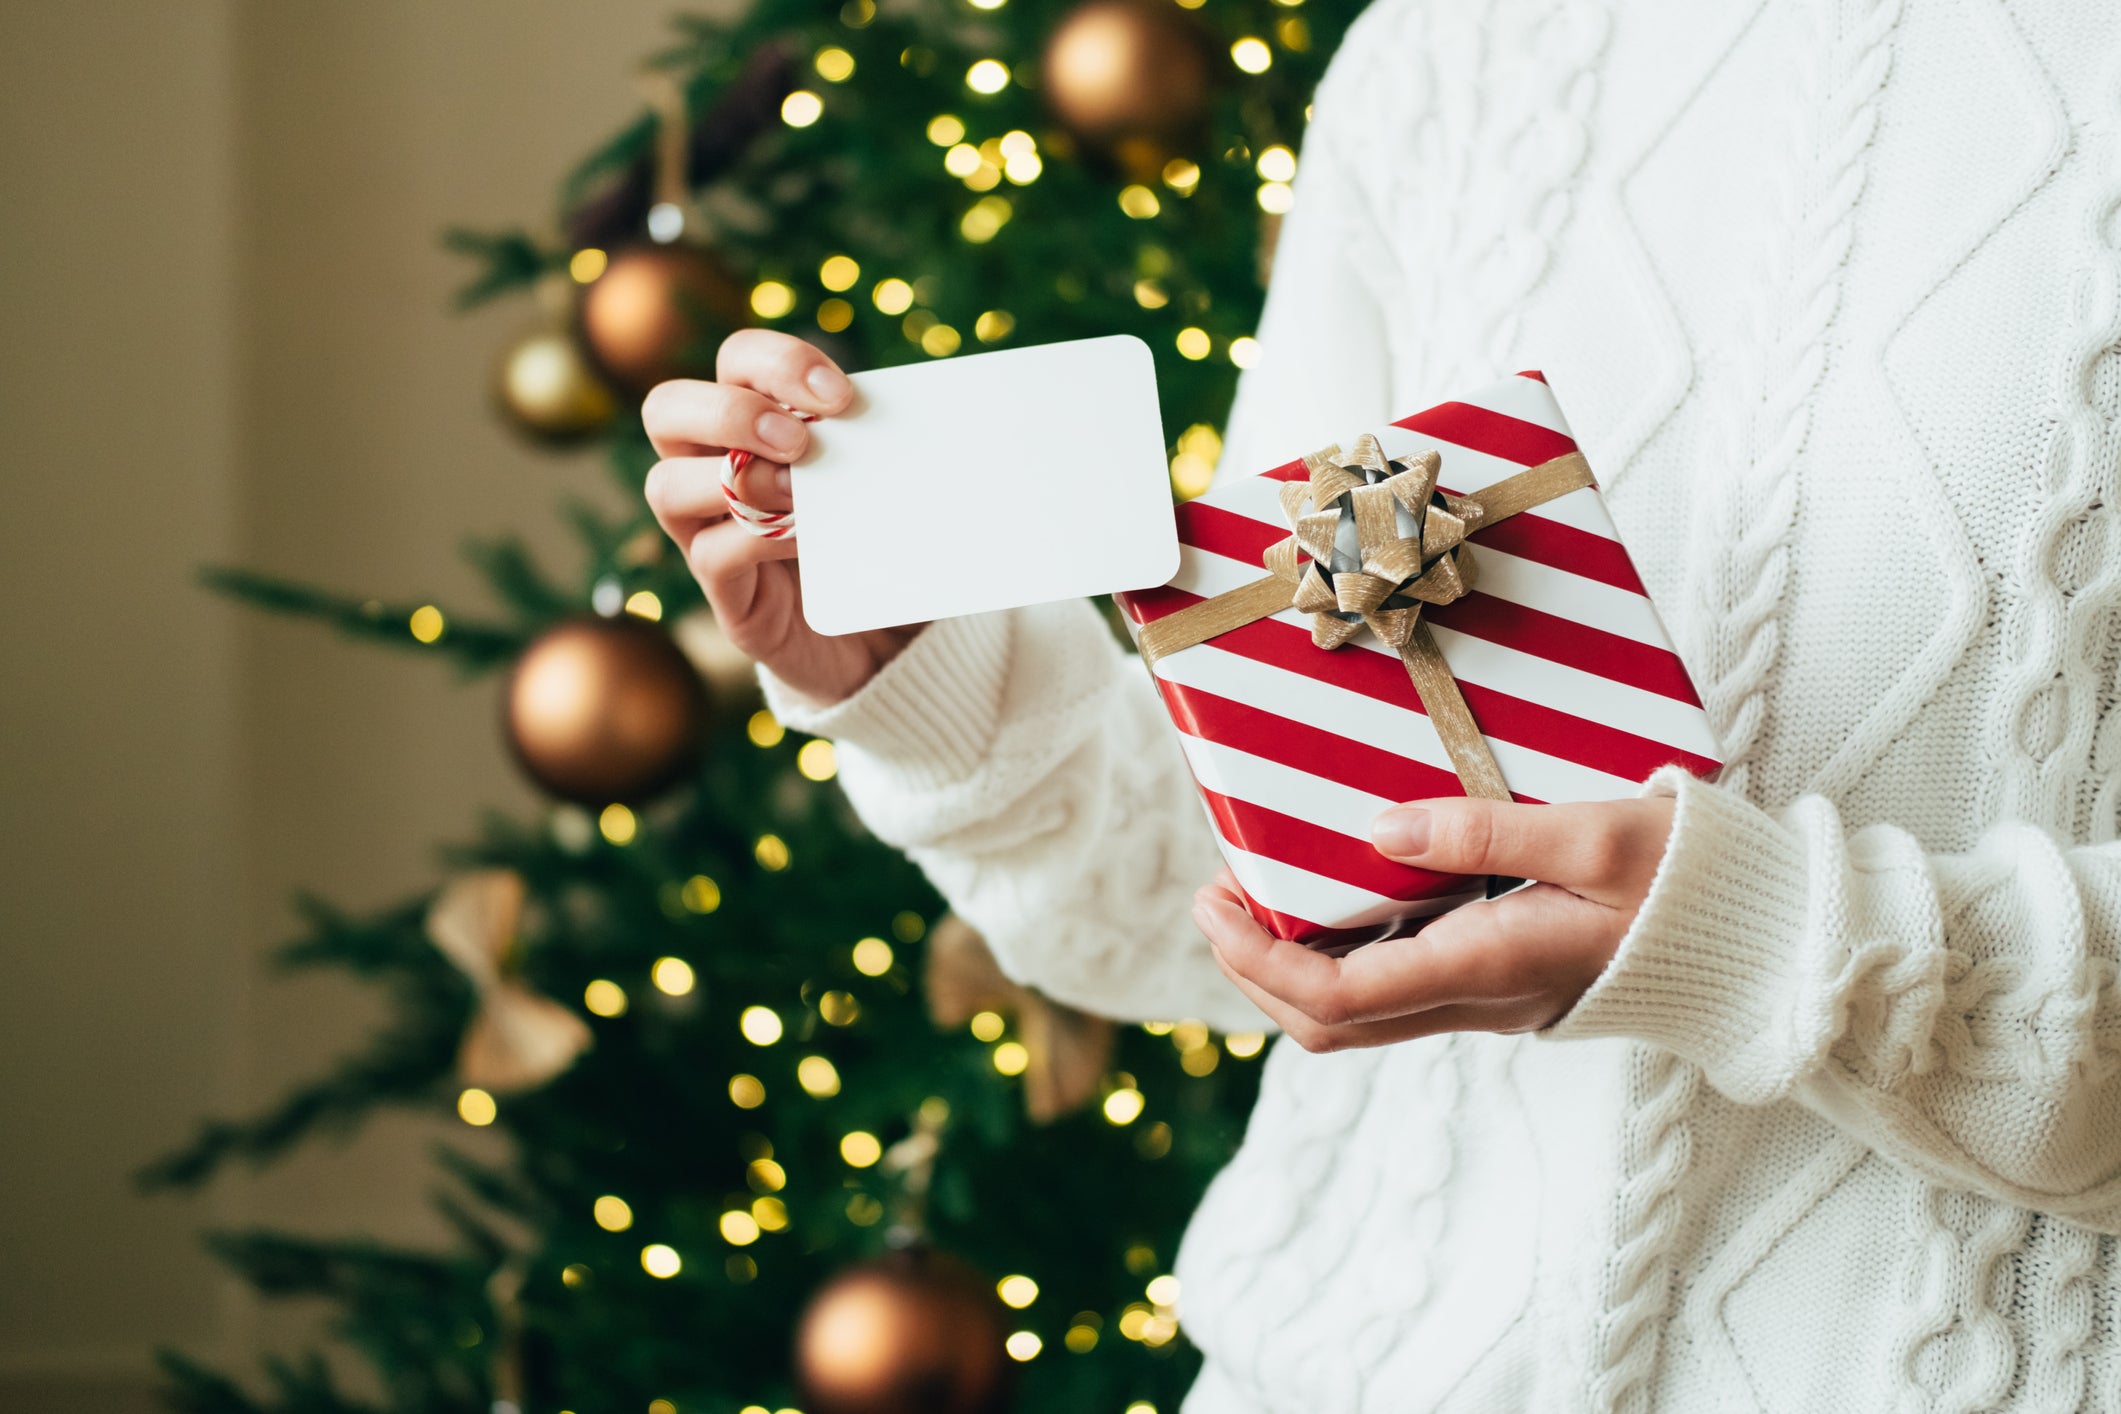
(1515, 963)
(750, 581)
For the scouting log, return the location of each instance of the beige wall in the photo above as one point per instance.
(224, 336)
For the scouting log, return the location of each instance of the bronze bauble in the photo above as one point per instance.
(547, 389)
(915, 1332)
(604, 710)
(659, 312)
(1126, 69)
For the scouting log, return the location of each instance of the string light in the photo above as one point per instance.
(1023, 1345)
(941, 341)
(746, 1092)
(661, 1261)
(906, 925)
(1276, 164)
(854, 14)
(1200, 447)
(834, 315)
(872, 957)
(616, 824)
(1140, 1259)
(987, 1026)
(860, 1149)
(893, 296)
(574, 1276)
(817, 761)
(1252, 55)
(839, 1008)
(864, 1211)
(764, 729)
(1244, 351)
(612, 1213)
(1193, 343)
(1082, 1336)
(1189, 1034)
(1181, 176)
(644, 604)
(1141, 1406)
(839, 272)
(1016, 1292)
(1277, 198)
(1293, 32)
(946, 130)
(477, 1108)
(1161, 1028)
(1245, 1044)
(834, 65)
(771, 1214)
(739, 1228)
(586, 264)
(766, 1176)
(426, 623)
(771, 852)
(1163, 1291)
(802, 108)
(604, 998)
(1153, 1142)
(673, 975)
(1150, 295)
(661, 1406)
(1124, 1106)
(994, 326)
(1139, 202)
(985, 219)
(1199, 1061)
(1134, 1320)
(761, 1025)
(962, 160)
(987, 76)
(701, 894)
(819, 1078)
(666, 222)
(1010, 1058)
(988, 4)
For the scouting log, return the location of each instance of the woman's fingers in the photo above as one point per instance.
(725, 558)
(686, 492)
(785, 369)
(689, 418)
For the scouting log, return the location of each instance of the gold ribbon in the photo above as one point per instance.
(517, 1040)
(1069, 1051)
(1382, 541)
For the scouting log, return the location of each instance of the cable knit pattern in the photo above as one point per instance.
(1831, 290)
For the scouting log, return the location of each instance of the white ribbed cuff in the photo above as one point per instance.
(930, 714)
(1710, 967)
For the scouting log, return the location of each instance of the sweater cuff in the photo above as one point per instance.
(1710, 967)
(931, 713)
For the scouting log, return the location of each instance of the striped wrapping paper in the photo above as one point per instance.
(1561, 656)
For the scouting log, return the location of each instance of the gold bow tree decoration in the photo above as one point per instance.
(1069, 1051)
(517, 1040)
(1382, 542)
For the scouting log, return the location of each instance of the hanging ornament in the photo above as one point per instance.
(517, 1040)
(601, 710)
(546, 388)
(1127, 72)
(732, 678)
(915, 1332)
(1069, 1050)
(662, 307)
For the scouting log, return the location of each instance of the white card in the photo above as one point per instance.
(974, 484)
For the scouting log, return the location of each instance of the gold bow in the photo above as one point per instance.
(1382, 541)
(1069, 1050)
(517, 1040)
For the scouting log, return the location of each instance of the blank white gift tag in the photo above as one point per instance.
(974, 484)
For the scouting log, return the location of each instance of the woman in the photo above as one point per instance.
(1798, 1090)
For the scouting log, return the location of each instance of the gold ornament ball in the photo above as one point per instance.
(915, 1332)
(604, 710)
(1121, 69)
(547, 389)
(659, 312)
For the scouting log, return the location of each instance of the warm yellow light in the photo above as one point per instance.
(1181, 176)
(1165, 1028)
(855, 14)
(643, 604)
(1017, 143)
(661, 1261)
(1023, 169)
(673, 975)
(1189, 1034)
(701, 894)
(872, 957)
(574, 1274)
(893, 296)
(761, 1025)
(661, 1406)
(906, 925)
(987, 1026)
(834, 315)
(860, 1149)
(770, 299)
(802, 108)
(988, 4)
(1081, 1339)
(941, 341)
(1010, 1058)
(1139, 1406)
(962, 160)
(945, 130)
(1016, 1292)
(766, 1176)
(476, 1107)
(616, 823)
(739, 1228)
(1245, 1044)
(1154, 1142)
(771, 852)
(1201, 1060)
(839, 272)
(1023, 1345)
(819, 1078)
(864, 1211)
(1276, 164)
(1252, 55)
(763, 729)
(586, 264)
(1244, 351)
(1158, 1330)
(817, 760)
(985, 177)
(426, 623)
(839, 1008)
(1124, 1106)
(987, 76)
(1134, 1320)
(771, 1214)
(1293, 33)
(1164, 1290)
(1139, 202)
(834, 65)
(1194, 343)
(613, 1213)
(745, 1092)
(994, 325)
(1277, 198)
(1150, 295)
(604, 998)
(1200, 447)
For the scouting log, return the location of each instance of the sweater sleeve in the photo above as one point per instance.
(1957, 1012)
(1024, 760)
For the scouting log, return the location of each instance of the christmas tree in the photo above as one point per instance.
(746, 1066)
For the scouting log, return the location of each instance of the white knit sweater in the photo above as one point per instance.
(1831, 291)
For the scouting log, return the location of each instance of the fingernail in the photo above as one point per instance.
(780, 431)
(1404, 829)
(780, 479)
(1202, 918)
(828, 383)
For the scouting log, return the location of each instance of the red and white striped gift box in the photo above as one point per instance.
(1560, 654)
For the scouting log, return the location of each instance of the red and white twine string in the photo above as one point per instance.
(767, 525)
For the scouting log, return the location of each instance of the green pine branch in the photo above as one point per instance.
(476, 646)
